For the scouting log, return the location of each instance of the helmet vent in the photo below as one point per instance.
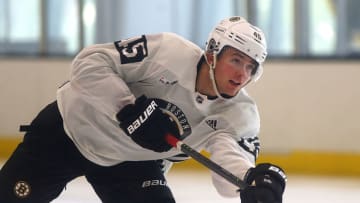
(220, 30)
(239, 41)
(240, 38)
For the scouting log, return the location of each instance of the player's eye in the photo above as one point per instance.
(236, 60)
(250, 67)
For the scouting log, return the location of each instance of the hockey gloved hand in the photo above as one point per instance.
(266, 184)
(147, 125)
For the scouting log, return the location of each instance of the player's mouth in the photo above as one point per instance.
(234, 83)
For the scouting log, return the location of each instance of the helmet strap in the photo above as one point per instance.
(212, 75)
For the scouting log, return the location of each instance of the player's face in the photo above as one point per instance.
(233, 71)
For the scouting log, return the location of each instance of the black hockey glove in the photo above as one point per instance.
(269, 184)
(147, 125)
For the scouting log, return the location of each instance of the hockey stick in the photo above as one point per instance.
(173, 141)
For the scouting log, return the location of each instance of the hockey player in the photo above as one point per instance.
(109, 121)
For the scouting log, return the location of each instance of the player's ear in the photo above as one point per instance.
(209, 57)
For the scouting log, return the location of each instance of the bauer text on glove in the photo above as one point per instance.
(147, 125)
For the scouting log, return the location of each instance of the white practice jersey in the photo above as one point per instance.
(106, 77)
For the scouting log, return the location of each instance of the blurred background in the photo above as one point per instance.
(308, 97)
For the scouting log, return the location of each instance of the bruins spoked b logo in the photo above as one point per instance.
(22, 189)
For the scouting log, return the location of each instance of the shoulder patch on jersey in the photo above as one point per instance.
(132, 50)
(212, 124)
(251, 145)
(167, 81)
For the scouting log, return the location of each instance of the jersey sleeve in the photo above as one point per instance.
(94, 79)
(235, 146)
(103, 71)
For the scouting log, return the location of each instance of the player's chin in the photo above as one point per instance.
(230, 93)
(233, 90)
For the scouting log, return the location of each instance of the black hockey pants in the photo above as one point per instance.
(46, 160)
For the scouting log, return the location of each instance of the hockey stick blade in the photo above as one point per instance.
(173, 141)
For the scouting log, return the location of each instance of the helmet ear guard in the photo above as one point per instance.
(212, 45)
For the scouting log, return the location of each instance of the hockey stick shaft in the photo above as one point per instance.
(173, 141)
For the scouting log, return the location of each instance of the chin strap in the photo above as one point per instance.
(212, 75)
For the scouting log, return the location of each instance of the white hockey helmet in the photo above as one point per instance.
(241, 35)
